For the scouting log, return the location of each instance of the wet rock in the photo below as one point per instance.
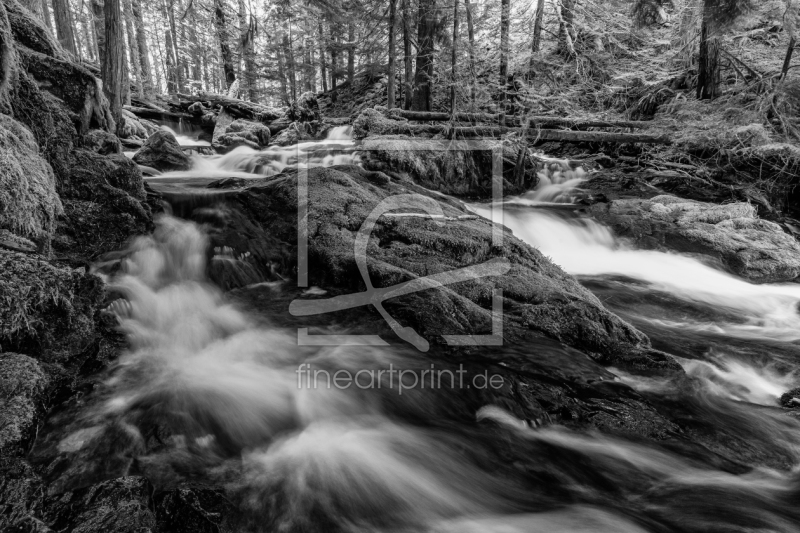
(193, 510)
(102, 142)
(221, 123)
(135, 128)
(22, 385)
(197, 109)
(46, 310)
(21, 494)
(752, 248)
(538, 296)
(791, 398)
(162, 151)
(253, 132)
(289, 136)
(121, 505)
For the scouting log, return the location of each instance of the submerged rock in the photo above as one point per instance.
(755, 249)
(162, 151)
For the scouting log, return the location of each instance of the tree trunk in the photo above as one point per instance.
(64, 26)
(247, 37)
(46, 15)
(196, 74)
(708, 64)
(36, 7)
(113, 71)
(351, 54)
(408, 87)
(171, 66)
(453, 59)
(278, 47)
(144, 52)
(99, 23)
(334, 66)
(390, 89)
(423, 93)
(505, 21)
(290, 63)
(472, 73)
(91, 46)
(536, 43)
(225, 49)
(565, 10)
(309, 72)
(787, 60)
(133, 49)
(322, 65)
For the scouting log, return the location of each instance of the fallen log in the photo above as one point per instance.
(533, 135)
(238, 108)
(153, 114)
(425, 116)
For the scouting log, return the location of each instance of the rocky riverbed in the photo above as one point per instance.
(148, 363)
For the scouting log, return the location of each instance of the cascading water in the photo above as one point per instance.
(212, 394)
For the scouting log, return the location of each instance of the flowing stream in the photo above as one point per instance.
(213, 392)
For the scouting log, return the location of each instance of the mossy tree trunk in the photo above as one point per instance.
(408, 85)
(423, 93)
(471, 37)
(505, 21)
(453, 59)
(113, 70)
(225, 48)
(536, 41)
(64, 25)
(141, 43)
(133, 48)
(323, 67)
(390, 90)
(36, 7)
(46, 15)
(98, 14)
(708, 63)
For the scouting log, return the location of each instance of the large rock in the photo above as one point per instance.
(162, 151)
(242, 132)
(455, 167)
(104, 206)
(47, 311)
(539, 297)
(22, 386)
(755, 249)
(28, 200)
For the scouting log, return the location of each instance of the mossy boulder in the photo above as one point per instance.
(22, 387)
(162, 152)
(28, 200)
(755, 249)
(104, 206)
(102, 142)
(539, 298)
(253, 132)
(45, 311)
